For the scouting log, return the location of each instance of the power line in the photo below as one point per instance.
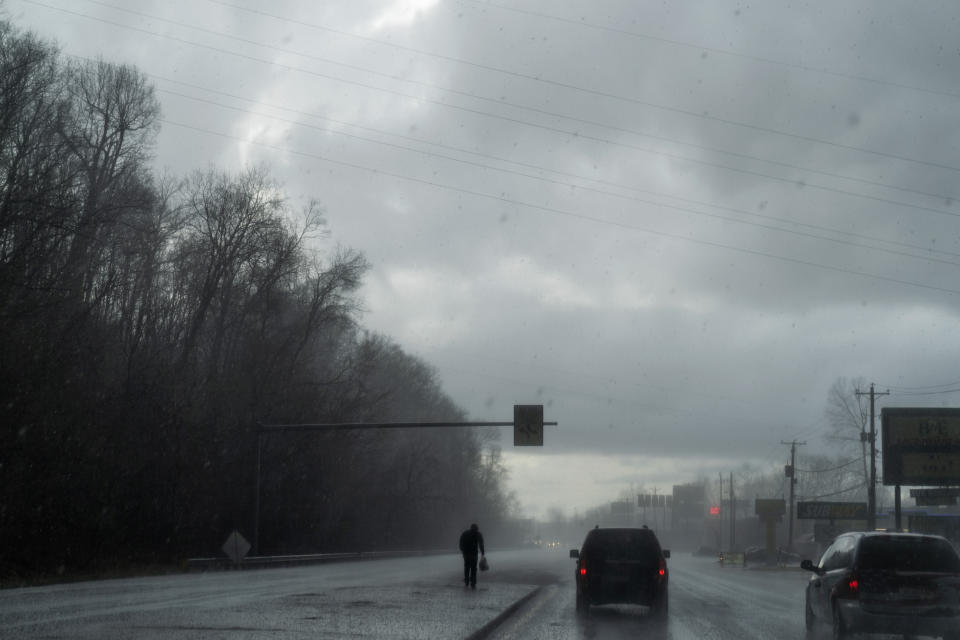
(536, 167)
(925, 393)
(556, 367)
(594, 92)
(836, 493)
(540, 79)
(665, 409)
(575, 134)
(837, 468)
(570, 214)
(771, 130)
(797, 261)
(725, 52)
(924, 387)
(813, 427)
(570, 185)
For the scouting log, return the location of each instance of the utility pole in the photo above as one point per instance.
(733, 516)
(653, 505)
(872, 488)
(720, 525)
(792, 474)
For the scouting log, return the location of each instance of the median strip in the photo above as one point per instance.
(488, 628)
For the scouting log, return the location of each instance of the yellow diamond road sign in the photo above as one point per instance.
(236, 547)
(528, 425)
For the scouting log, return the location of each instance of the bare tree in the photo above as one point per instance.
(830, 478)
(848, 416)
(34, 187)
(109, 128)
(148, 323)
(231, 221)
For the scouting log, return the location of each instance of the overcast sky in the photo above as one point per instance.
(673, 224)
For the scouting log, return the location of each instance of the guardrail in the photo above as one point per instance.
(263, 562)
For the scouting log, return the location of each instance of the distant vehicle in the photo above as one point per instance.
(881, 582)
(622, 566)
(759, 555)
(755, 554)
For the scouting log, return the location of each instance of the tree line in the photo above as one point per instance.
(149, 322)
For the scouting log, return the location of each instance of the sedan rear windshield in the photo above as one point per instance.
(908, 554)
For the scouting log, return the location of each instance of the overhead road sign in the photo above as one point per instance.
(528, 425)
(527, 431)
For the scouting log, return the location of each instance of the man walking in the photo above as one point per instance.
(470, 541)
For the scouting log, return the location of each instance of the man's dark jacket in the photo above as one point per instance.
(469, 541)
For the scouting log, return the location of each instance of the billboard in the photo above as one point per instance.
(621, 508)
(689, 505)
(832, 510)
(921, 446)
(770, 507)
(654, 500)
(689, 500)
(935, 497)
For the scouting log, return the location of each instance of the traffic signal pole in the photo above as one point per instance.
(263, 429)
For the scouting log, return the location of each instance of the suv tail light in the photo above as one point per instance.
(583, 566)
(662, 568)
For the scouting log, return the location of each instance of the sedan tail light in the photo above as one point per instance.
(849, 586)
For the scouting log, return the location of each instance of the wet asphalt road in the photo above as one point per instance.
(420, 597)
(706, 602)
(406, 598)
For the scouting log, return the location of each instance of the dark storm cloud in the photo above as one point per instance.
(675, 238)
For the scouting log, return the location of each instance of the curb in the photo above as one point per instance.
(488, 628)
(222, 563)
(264, 562)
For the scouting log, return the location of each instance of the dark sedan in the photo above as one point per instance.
(882, 582)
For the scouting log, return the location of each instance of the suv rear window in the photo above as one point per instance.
(908, 554)
(625, 544)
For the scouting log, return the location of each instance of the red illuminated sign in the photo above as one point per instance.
(714, 511)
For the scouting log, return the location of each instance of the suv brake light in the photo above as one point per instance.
(662, 569)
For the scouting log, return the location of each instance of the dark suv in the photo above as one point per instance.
(621, 566)
(886, 583)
